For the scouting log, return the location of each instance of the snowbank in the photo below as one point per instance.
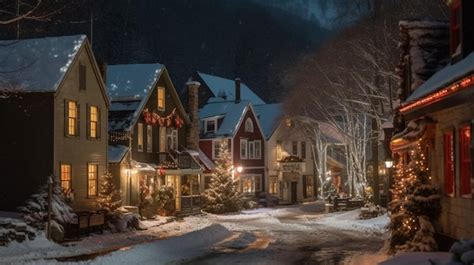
(29, 249)
(349, 221)
(171, 250)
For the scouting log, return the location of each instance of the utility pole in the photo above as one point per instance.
(18, 21)
(375, 140)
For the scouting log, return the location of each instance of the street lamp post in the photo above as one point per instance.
(389, 166)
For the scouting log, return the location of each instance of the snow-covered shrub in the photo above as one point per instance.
(249, 204)
(222, 195)
(370, 210)
(35, 212)
(424, 238)
(463, 251)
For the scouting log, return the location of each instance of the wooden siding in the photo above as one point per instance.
(79, 151)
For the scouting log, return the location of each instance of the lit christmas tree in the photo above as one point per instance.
(415, 205)
(109, 196)
(222, 195)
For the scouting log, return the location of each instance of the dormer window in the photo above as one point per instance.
(248, 125)
(210, 126)
(456, 28)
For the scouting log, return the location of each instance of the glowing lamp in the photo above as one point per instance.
(239, 169)
(388, 162)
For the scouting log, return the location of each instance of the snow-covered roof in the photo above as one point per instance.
(129, 86)
(231, 112)
(269, 116)
(444, 77)
(116, 153)
(221, 87)
(37, 65)
(132, 80)
(331, 133)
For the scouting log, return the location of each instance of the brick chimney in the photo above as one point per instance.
(237, 90)
(193, 131)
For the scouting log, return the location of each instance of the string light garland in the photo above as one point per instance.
(437, 96)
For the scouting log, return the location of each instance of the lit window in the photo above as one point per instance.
(279, 153)
(243, 148)
(149, 138)
(449, 185)
(248, 185)
(272, 186)
(161, 98)
(66, 179)
(258, 183)
(162, 139)
(249, 125)
(94, 117)
(92, 179)
(210, 126)
(465, 160)
(72, 118)
(140, 137)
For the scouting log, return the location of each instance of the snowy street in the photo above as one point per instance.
(300, 234)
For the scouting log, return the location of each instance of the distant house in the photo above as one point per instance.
(439, 112)
(148, 129)
(53, 110)
(222, 89)
(236, 123)
(291, 175)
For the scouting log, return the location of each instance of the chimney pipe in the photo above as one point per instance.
(237, 90)
(193, 131)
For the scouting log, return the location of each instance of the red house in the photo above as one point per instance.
(235, 121)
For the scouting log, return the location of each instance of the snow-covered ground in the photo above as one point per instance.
(281, 235)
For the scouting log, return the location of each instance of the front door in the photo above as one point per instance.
(294, 185)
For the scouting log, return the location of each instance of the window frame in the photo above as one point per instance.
(89, 180)
(206, 124)
(171, 136)
(243, 144)
(61, 180)
(82, 77)
(140, 137)
(161, 102)
(70, 119)
(259, 144)
(216, 146)
(449, 176)
(303, 149)
(465, 161)
(294, 148)
(251, 150)
(91, 122)
(279, 150)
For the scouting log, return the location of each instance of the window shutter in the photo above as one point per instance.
(98, 123)
(66, 115)
(88, 121)
(78, 120)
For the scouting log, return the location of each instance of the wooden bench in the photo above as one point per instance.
(86, 223)
(347, 204)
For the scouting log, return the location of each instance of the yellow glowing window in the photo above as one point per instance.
(161, 98)
(93, 122)
(66, 177)
(92, 177)
(72, 118)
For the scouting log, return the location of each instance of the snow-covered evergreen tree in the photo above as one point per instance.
(415, 205)
(109, 196)
(222, 195)
(35, 212)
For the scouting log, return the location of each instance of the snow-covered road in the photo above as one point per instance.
(298, 234)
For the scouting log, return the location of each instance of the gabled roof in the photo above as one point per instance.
(444, 77)
(231, 112)
(221, 87)
(129, 88)
(37, 65)
(269, 116)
